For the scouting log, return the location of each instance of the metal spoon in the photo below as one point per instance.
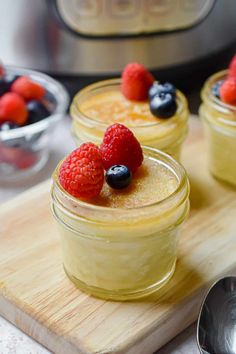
(216, 328)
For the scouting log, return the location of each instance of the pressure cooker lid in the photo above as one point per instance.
(130, 17)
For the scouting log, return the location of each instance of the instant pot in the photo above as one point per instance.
(81, 41)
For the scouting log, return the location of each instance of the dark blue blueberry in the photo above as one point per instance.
(6, 82)
(118, 176)
(37, 111)
(216, 88)
(8, 126)
(158, 88)
(163, 105)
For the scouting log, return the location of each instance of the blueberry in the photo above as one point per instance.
(8, 126)
(158, 88)
(6, 82)
(216, 88)
(37, 111)
(163, 105)
(118, 176)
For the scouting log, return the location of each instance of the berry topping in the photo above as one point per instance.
(120, 147)
(118, 176)
(216, 88)
(8, 126)
(28, 89)
(163, 105)
(6, 82)
(37, 111)
(13, 108)
(136, 81)
(228, 91)
(2, 70)
(232, 67)
(81, 173)
(158, 88)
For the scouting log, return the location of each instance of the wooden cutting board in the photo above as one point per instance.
(37, 297)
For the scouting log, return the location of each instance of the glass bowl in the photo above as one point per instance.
(24, 150)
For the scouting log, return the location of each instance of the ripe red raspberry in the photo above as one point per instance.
(136, 81)
(28, 89)
(120, 147)
(228, 91)
(13, 108)
(82, 174)
(232, 67)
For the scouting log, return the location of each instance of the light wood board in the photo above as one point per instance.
(37, 297)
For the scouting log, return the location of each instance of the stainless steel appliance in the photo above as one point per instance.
(84, 38)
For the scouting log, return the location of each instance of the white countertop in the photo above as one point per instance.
(12, 340)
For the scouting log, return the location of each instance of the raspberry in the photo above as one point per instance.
(228, 91)
(20, 158)
(2, 70)
(82, 174)
(232, 67)
(120, 147)
(26, 160)
(13, 108)
(28, 89)
(136, 81)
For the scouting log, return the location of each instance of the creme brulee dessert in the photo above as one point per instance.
(121, 244)
(152, 183)
(158, 116)
(218, 112)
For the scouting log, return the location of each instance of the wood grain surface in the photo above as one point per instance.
(37, 297)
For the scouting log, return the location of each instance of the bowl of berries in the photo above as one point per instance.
(31, 104)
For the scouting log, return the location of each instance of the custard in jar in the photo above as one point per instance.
(101, 104)
(123, 244)
(219, 120)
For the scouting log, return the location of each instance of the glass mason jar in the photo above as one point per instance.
(163, 134)
(116, 253)
(219, 121)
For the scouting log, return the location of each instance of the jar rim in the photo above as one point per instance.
(180, 194)
(208, 97)
(182, 102)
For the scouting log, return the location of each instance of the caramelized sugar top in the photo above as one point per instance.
(152, 182)
(113, 107)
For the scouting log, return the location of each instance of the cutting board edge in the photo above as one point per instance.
(186, 309)
(57, 344)
(191, 306)
(186, 313)
(51, 341)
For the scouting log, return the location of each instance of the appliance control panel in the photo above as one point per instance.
(130, 17)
